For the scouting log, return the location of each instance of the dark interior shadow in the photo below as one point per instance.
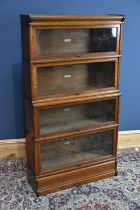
(18, 99)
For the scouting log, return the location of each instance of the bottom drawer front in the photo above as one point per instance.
(75, 150)
(73, 178)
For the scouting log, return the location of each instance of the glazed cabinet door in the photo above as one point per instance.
(74, 78)
(74, 117)
(75, 41)
(77, 150)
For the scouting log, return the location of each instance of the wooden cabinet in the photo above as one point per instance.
(71, 89)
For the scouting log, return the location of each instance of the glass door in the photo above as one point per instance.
(75, 150)
(57, 42)
(77, 116)
(76, 78)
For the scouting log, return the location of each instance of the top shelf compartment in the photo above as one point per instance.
(51, 39)
(59, 42)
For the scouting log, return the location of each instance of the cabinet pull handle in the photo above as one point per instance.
(67, 76)
(67, 40)
(67, 109)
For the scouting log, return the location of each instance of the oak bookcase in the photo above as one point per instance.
(71, 69)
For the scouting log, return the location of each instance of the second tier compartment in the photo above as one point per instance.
(76, 78)
(76, 116)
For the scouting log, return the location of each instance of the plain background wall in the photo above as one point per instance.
(11, 93)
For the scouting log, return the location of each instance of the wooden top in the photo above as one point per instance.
(41, 18)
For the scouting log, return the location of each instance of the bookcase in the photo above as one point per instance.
(71, 67)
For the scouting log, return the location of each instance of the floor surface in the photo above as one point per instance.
(118, 193)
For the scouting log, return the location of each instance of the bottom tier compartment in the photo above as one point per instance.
(76, 150)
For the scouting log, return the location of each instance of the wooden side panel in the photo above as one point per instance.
(30, 150)
(115, 145)
(25, 39)
(27, 80)
(33, 155)
(29, 126)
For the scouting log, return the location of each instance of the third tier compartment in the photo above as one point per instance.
(75, 116)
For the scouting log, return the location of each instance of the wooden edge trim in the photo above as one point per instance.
(27, 18)
(74, 99)
(92, 130)
(59, 61)
(90, 57)
(126, 139)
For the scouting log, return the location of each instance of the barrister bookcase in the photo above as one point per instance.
(71, 67)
